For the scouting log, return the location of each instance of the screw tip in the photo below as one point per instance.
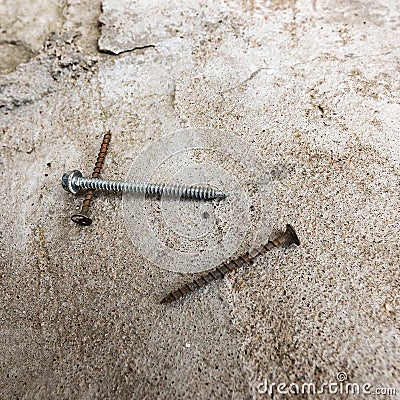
(220, 195)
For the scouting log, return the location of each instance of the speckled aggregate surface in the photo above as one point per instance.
(313, 85)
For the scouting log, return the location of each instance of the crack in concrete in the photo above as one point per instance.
(350, 58)
(107, 51)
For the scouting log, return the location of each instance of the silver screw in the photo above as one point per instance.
(73, 182)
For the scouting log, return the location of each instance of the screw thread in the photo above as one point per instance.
(102, 155)
(83, 217)
(189, 192)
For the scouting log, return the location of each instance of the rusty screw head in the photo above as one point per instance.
(81, 219)
(290, 236)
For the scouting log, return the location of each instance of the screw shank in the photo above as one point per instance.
(96, 171)
(83, 218)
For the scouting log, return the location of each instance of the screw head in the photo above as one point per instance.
(66, 181)
(81, 219)
(293, 235)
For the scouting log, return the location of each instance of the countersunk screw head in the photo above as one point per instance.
(293, 238)
(67, 183)
(81, 219)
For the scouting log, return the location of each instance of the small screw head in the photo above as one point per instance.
(81, 219)
(66, 181)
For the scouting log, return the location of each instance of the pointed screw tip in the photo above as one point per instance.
(220, 195)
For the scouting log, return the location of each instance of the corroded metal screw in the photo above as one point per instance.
(73, 182)
(286, 239)
(83, 217)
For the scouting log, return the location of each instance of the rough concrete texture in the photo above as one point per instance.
(314, 85)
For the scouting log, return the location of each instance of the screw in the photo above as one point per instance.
(73, 181)
(83, 217)
(286, 239)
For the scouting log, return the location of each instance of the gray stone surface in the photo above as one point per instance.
(24, 27)
(314, 85)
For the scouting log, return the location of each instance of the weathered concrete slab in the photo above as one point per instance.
(314, 85)
(29, 23)
(24, 27)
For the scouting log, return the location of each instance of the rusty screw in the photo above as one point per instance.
(83, 217)
(286, 239)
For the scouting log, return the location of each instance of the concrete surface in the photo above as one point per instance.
(313, 85)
